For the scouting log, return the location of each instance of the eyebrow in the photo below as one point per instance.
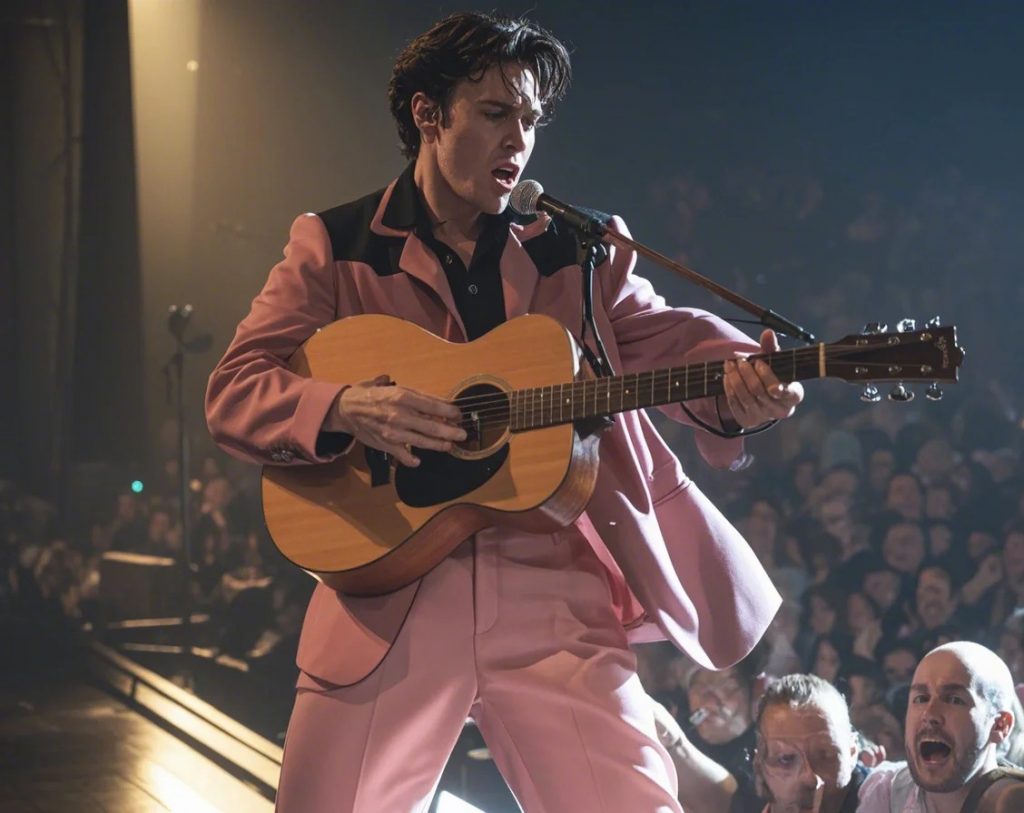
(505, 106)
(945, 687)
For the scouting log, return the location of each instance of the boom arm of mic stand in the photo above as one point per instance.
(767, 317)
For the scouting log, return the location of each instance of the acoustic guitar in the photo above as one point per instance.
(366, 527)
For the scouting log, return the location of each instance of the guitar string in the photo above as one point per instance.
(502, 405)
(533, 412)
(500, 400)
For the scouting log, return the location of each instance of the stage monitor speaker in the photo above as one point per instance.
(136, 585)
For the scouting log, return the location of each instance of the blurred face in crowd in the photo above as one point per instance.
(804, 477)
(880, 468)
(883, 587)
(822, 616)
(864, 691)
(159, 525)
(826, 662)
(935, 459)
(724, 699)
(786, 623)
(217, 493)
(904, 496)
(979, 543)
(834, 515)
(938, 503)
(840, 482)
(899, 665)
(1013, 559)
(940, 538)
(804, 752)
(903, 548)
(1011, 651)
(882, 727)
(126, 507)
(951, 728)
(934, 600)
(760, 529)
(860, 613)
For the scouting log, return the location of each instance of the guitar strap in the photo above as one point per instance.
(985, 781)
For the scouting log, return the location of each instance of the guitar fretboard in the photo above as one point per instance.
(537, 407)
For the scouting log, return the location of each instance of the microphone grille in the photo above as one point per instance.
(525, 196)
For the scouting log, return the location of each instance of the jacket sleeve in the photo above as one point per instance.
(256, 408)
(650, 335)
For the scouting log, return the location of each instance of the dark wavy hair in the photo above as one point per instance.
(464, 46)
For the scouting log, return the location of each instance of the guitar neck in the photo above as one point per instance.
(537, 407)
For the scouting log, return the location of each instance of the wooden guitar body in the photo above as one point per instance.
(365, 527)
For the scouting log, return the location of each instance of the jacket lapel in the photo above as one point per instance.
(519, 275)
(395, 218)
(420, 262)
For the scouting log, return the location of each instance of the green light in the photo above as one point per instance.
(137, 486)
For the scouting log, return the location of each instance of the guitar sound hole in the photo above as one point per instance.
(485, 416)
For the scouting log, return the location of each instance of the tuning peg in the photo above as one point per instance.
(872, 328)
(933, 393)
(935, 321)
(901, 394)
(871, 395)
(906, 326)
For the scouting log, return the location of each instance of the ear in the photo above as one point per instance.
(426, 115)
(1001, 727)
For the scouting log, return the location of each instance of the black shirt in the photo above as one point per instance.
(476, 290)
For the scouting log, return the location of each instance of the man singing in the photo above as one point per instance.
(526, 633)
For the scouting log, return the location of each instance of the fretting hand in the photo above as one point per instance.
(754, 393)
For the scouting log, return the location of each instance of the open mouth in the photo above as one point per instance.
(505, 176)
(933, 752)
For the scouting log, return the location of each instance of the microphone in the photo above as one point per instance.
(528, 198)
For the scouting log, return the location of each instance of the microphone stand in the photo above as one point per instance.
(766, 316)
(588, 225)
(178, 319)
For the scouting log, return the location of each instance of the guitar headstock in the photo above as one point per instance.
(907, 354)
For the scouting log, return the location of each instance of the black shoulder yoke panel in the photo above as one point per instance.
(348, 226)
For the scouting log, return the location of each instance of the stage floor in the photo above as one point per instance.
(68, 747)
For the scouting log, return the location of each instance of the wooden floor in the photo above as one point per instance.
(67, 747)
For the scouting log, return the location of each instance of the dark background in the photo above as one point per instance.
(840, 162)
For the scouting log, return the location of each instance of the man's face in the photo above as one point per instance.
(801, 750)
(725, 702)
(487, 138)
(948, 727)
(903, 548)
(934, 599)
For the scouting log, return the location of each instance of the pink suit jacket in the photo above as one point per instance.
(678, 568)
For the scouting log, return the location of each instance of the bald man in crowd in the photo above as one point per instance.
(959, 720)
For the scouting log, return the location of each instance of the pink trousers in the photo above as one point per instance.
(517, 632)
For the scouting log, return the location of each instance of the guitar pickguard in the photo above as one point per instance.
(441, 477)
